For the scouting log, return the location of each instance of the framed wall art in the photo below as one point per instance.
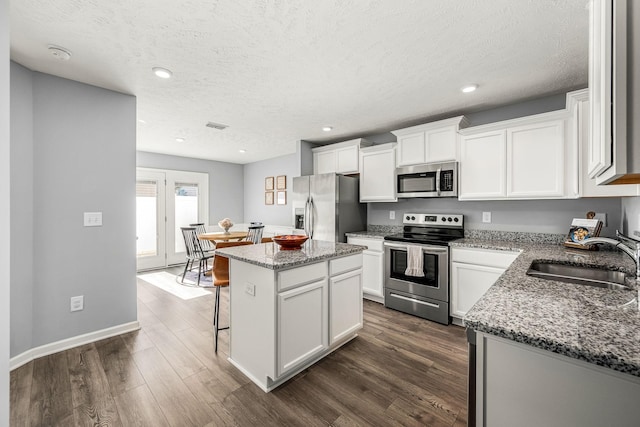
(268, 197)
(268, 183)
(281, 197)
(281, 182)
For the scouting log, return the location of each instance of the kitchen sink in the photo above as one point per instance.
(590, 276)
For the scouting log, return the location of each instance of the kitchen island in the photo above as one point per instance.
(290, 308)
(551, 353)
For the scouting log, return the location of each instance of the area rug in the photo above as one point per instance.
(167, 282)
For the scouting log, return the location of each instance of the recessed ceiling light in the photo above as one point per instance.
(469, 88)
(327, 128)
(59, 53)
(242, 150)
(163, 73)
(180, 140)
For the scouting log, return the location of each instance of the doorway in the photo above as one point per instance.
(165, 201)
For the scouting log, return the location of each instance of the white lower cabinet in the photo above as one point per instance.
(473, 271)
(372, 267)
(345, 319)
(302, 324)
(284, 321)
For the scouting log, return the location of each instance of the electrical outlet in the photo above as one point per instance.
(392, 214)
(250, 288)
(93, 219)
(77, 303)
(602, 217)
(486, 216)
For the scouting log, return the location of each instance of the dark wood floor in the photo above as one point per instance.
(401, 370)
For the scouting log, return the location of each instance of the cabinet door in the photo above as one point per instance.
(469, 283)
(441, 145)
(373, 273)
(378, 176)
(324, 162)
(347, 160)
(483, 166)
(411, 149)
(345, 298)
(535, 160)
(588, 187)
(302, 324)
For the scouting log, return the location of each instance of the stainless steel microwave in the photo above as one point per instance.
(431, 180)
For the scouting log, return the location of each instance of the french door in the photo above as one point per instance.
(165, 201)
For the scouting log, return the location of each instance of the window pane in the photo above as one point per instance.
(186, 203)
(146, 218)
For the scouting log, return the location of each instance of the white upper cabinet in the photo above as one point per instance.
(378, 173)
(581, 126)
(429, 143)
(483, 165)
(532, 157)
(342, 158)
(535, 160)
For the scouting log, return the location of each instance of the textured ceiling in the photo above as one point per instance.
(277, 71)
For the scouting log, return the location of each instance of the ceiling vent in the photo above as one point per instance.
(216, 126)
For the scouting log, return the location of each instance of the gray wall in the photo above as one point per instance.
(83, 161)
(22, 239)
(5, 226)
(254, 176)
(631, 216)
(541, 216)
(225, 182)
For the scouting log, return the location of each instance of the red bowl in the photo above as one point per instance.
(290, 242)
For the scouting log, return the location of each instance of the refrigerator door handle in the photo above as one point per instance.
(311, 218)
(306, 217)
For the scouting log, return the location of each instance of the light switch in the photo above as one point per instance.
(93, 219)
(392, 214)
(250, 288)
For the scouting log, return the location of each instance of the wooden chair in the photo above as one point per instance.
(206, 245)
(194, 253)
(221, 279)
(254, 234)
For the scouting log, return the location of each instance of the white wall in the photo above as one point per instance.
(22, 191)
(254, 176)
(5, 226)
(83, 161)
(225, 182)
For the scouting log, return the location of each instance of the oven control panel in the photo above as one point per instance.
(433, 219)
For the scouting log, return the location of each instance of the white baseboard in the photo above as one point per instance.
(65, 344)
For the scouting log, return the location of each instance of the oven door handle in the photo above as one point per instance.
(430, 249)
(414, 300)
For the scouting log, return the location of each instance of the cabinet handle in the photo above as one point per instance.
(414, 300)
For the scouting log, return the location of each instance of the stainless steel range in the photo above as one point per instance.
(425, 295)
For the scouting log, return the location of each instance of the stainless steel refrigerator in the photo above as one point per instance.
(327, 206)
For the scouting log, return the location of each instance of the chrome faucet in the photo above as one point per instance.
(626, 244)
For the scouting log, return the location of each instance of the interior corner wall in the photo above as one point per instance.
(5, 226)
(84, 161)
(631, 216)
(225, 182)
(22, 239)
(255, 173)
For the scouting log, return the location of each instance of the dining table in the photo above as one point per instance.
(221, 236)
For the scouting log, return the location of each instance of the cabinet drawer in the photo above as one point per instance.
(299, 276)
(348, 263)
(372, 244)
(486, 257)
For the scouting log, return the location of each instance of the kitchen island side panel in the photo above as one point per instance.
(252, 319)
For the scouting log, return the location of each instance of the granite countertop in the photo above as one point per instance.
(600, 326)
(378, 235)
(269, 255)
